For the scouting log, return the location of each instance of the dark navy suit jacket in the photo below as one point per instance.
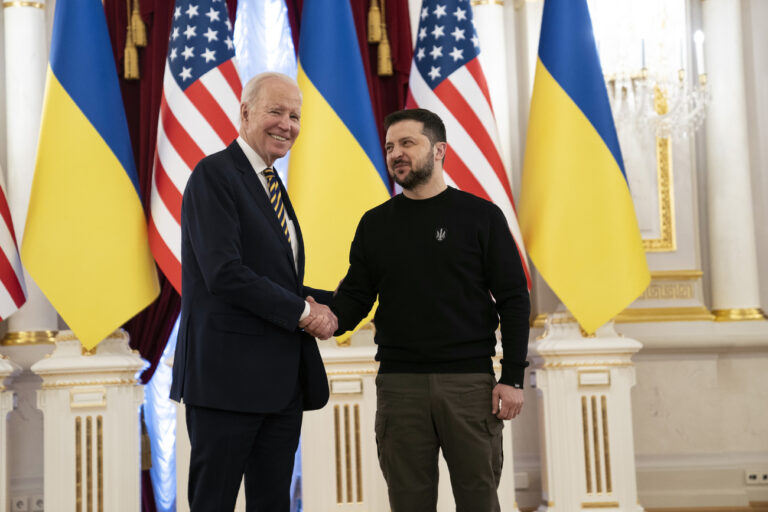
(239, 347)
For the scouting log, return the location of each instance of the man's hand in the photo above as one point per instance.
(321, 322)
(507, 401)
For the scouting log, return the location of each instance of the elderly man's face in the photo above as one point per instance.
(270, 124)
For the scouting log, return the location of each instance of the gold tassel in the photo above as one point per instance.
(385, 53)
(146, 446)
(131, 54)
(374, 22)
(137, 24)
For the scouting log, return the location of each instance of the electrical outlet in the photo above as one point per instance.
(36, 503)
(20, 504)
(756, 475)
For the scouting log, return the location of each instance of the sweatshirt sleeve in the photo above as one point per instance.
(357, 293)
(509, 286)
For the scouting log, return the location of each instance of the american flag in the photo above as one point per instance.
(447, 79)
(12, 291)
(199, 115)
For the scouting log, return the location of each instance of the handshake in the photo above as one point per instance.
(321, 322)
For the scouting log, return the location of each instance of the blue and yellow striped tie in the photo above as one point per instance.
(276, 198)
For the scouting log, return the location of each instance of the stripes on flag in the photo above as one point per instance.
(12, 290)
(447, 79)
(199, 115)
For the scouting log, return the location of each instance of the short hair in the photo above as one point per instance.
(434, 128)
(253, 86)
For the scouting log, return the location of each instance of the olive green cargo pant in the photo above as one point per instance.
(419, 414)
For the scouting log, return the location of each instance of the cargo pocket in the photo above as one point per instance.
(495, 426)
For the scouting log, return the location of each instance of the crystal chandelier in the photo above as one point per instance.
(652, 94)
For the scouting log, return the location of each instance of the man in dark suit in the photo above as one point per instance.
(246, 362)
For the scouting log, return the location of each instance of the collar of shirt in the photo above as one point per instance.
(255, 160)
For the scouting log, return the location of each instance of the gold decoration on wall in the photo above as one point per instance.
(668, 292)
(28, 338)
(585, 431)
(100, 462)
(358, 455)
(667, 240)
(643, 315)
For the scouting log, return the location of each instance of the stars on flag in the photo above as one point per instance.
(207, 40)
(441, 20)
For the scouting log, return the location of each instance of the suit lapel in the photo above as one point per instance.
(254, 186)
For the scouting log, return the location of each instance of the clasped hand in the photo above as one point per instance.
(321, 322)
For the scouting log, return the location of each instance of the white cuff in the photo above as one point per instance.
(305, 314)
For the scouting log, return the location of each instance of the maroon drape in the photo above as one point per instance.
(388, 93)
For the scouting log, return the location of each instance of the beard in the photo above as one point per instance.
(420, 173)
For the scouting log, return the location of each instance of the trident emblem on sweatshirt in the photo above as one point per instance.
(440, 235)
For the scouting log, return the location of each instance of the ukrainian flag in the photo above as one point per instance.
(576, 212)
(337, 170)
(85, 241)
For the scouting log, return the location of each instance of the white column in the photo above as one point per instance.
(732, 251)
(587, 445)
(7, 369)
(26, 57)
(90, 402)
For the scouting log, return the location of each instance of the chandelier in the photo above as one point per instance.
(656, 92)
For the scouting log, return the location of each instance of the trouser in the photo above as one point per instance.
(419, 414)
(227, 445)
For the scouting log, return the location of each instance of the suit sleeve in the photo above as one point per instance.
(211, 222)
(509, 286)
(321, 296)
(357, 292)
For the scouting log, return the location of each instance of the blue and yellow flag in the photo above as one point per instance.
(337, 171)
(576, 213)
(85, 241)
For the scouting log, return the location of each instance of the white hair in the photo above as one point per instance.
(254, 85)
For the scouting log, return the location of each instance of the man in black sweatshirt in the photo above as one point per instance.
(447, 272)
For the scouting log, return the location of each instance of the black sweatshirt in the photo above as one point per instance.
(434, 264)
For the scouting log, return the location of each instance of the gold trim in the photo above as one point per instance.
(667, 241)
(106, 382)
(358, 456)
(29, 338)
(679, 314)
(596, 446)
(100, 461)
(352, 372)
(637, 315)
(337, 439)
(78, 463)
(578, 364)
(119, 334)
(475, 3)
(36, 5)
(600, 504)
(89, 463)
(587, 461)
(347, 453)
(676, 275)
(606, 447)
(738, 315)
